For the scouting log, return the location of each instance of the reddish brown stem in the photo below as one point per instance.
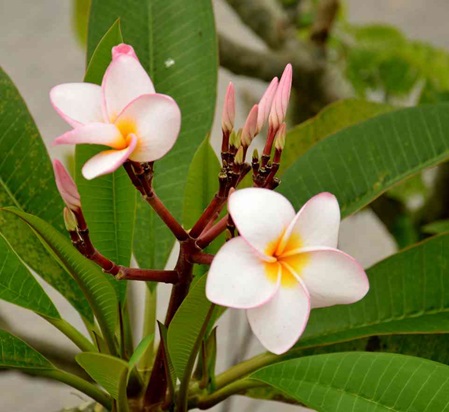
(215, 231)
(268, 146)
(201, 258)
(209, 214)
(165, 276)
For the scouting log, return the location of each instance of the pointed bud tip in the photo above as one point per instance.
(123, 49)
(69, 220)
(238, 159)
(66, 186)
(228, 115)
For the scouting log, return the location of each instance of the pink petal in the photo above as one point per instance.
(249, 130)
(316, 224)
(66, 186)
(238, 277)
(125, 80)
(261, 217)
(156, 120)
(332, 277)
(228, 115)
(94, 133)
(108, 161)
(280, 322)
(281, 98)
(78, 103)
(123, 49)
(265, 103)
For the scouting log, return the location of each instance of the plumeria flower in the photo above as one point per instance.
(282, 265)
(124, 113)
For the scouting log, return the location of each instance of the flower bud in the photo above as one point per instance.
(265, 104)
(69, 220)
(123, 49)
(281, 98)
(66, 186)
(238, 159)
(249, 130)
(228, 116)
(255, 155)
(234, 139)
(279, 140)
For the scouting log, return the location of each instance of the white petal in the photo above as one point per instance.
(238, 278)
(78, 103)
(315, 225)
(280, 322)
(156, 120)
(332, 277)
(124, 80)
(94, 133)
(108, 161)
(261, 217)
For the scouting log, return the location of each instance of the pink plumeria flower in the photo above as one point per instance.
(281, 98)
(124, 113)
(282, 265)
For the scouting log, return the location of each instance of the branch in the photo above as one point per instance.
(326, 13)
(265, 18)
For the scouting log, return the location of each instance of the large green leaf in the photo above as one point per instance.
(15, 353)
(108, 371)
(359, 163)
(18, 285)
(186, 326)
(175, 41)
(109, 202)
(330, 120)
(92, 281)
(408, 294)
(361, 382)
(27, 182)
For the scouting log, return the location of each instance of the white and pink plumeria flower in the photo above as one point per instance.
(283, 264)
(124, 113)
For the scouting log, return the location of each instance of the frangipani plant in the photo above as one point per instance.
(322, 318)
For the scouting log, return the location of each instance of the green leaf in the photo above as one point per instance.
(176, 43)
(80, 18)
(420, 273)
(15, 353)
(109, 202)
(27, 182)
(108, 371)
(361, 382)
(330, 120)
(361, 162)
(92, 281)
(202, 183)
(140, 350)
(437, 227)
(186, 326)
(18, 285)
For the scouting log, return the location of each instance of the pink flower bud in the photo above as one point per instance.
(123, 49)
(250, 128)
(281, 98)
(228, 116)
(66, 186)
(265, 103)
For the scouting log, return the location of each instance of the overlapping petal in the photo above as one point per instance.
(108, 161)
(238, 278)
(332, 277)
(78, 103)
(261, 217)
(124, 81)
(316, 224)
(94, 133)
(156, 120)
(279, 323)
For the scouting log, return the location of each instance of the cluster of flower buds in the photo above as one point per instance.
(235, 143)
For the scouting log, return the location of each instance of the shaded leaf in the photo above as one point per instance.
(27, 182)
(92, 281)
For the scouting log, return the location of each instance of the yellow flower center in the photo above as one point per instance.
(287, 260)
(127, 127)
